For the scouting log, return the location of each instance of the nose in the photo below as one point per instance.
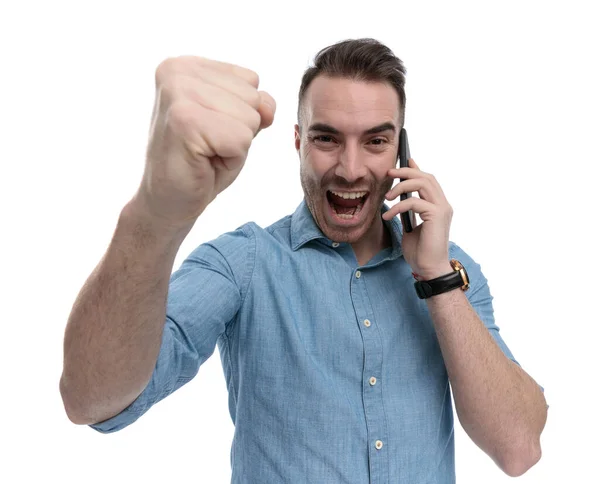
(351, 164)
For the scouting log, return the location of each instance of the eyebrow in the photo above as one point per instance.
(326, 128)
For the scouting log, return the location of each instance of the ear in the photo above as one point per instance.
(297, 137)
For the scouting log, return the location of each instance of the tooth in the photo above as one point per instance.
(352, 195)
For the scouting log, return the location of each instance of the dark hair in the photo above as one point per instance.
(360, 60)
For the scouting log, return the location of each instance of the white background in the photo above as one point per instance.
(502, 107)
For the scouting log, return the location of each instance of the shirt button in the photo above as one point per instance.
(378, 444)
(367, 323)
(336, 244)
(372, 380)
(357, 274)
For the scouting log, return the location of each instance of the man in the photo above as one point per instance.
(338, 371)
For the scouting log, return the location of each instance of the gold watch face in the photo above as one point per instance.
(463, 273)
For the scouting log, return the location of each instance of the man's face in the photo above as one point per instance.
(340, 157)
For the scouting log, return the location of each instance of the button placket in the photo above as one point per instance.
(372, 393)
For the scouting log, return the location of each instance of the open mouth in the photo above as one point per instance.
(346, 205)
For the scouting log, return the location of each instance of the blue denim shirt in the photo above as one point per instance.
(334, 371)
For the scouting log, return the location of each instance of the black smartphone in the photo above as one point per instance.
(403, 155)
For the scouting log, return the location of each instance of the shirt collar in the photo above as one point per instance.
(304, 229)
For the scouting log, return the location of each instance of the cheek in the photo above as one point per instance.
(387, 185)
(311, 180)
(317, 164)
(381, 176)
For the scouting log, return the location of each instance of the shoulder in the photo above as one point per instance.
(472, 267)
(278, 233)
(235, 251)
(251, 234)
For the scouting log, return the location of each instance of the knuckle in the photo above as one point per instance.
(179, 114)
(254, 99)
(246, 137)
(255, 120)
(165, 69)
(253, 78)
(168, 88)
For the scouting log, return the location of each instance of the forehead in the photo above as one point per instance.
(349, 104)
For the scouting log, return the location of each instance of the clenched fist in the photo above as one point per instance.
(206, 114)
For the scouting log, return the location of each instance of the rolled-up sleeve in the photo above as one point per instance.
(480, 297)
(204, 297)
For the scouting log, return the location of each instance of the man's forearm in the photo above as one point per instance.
(499, 405)
(114, 331)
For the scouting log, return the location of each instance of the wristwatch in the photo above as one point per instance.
(457, 278)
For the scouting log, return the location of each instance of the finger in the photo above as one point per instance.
(233, 85)
(214, 98)
(436, 194)
(417, 205)
(247, 75)
(423, 186)
(266, 110)
(404, 173)
(406, 186)
(412, 164)
(197, 66)
(209, 132)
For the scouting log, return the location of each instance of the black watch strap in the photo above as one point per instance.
(447, 282)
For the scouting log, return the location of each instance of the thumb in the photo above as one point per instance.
(266, 110)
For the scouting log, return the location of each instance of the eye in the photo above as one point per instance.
(382, 141)
(320, 138)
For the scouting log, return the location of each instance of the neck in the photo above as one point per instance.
(376, 239)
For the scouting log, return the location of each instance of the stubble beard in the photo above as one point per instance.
(316, 199)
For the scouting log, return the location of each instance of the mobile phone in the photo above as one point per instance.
(403, 155)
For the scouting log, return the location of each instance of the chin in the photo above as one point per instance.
(350, 236)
